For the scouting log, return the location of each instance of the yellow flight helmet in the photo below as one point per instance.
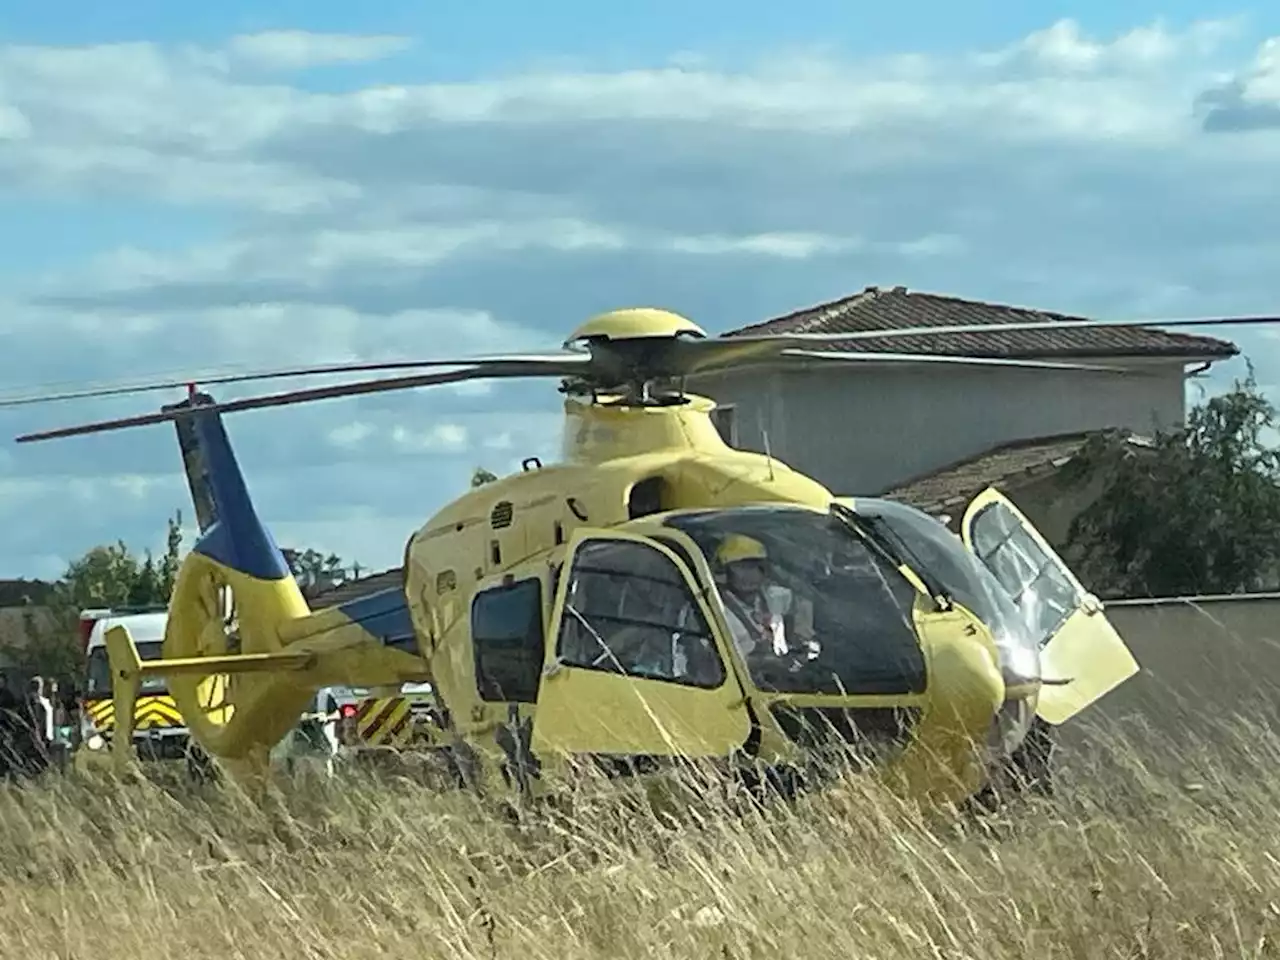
(737, 547)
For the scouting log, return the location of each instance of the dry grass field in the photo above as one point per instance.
(1150, 850)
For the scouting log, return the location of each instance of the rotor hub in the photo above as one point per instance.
(635, 323)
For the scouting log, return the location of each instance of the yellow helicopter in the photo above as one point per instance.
(656, 597)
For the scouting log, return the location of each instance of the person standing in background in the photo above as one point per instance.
(60, 725)
(39, 722)
(10, 729)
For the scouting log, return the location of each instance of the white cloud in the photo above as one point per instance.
(442, 436)
(300, 49)
(787, 245)
(185, 123)
(1263, 83)
(106, 346)
(351, 434)
(373, 538)
(133, 486)
(14, 124)
(1064, 46)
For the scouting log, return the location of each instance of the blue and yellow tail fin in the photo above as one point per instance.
(231, 532)
(267, 664)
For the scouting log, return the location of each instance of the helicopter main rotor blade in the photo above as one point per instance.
(557, 361)
(685, 357)
(511, 370)
(1018, 327)
(942, 358)
(610, 363)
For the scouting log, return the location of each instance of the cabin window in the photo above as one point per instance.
(724, 419)
(508, 641)
(629, 610)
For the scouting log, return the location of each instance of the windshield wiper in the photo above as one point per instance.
(886, 541)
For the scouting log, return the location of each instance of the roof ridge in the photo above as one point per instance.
(822, 311)
(879, 309)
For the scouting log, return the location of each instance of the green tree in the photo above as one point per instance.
(113, 575)
(482, 476)
(1199, 514)
(110, 575)
(316, 571)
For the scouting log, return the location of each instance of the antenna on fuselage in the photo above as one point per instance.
(764, 435)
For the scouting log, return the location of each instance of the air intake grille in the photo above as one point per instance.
(501, 515)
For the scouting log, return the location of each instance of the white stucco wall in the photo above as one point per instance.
(861, 430)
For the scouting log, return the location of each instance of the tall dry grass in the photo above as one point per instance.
(1151, 849)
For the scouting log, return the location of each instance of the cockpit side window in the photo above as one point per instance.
(629, 610)
(1032, 577)
(508, 642)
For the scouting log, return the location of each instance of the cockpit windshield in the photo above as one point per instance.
(810, 606)
(937, 552)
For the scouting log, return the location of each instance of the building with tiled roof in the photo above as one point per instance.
(863, 426)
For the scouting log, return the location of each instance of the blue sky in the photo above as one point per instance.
(276, 182)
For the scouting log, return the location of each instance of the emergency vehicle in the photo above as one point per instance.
(160, 733)
(397, 720)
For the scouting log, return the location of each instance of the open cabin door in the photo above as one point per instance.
(1082, 656)
(633, 668)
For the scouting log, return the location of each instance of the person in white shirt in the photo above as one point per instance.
(39, 732)
(757, 610)
(45, 725)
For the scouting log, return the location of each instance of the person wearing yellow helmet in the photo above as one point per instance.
(757, 611)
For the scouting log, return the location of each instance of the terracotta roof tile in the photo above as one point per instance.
(879, 308)
(952, 487)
